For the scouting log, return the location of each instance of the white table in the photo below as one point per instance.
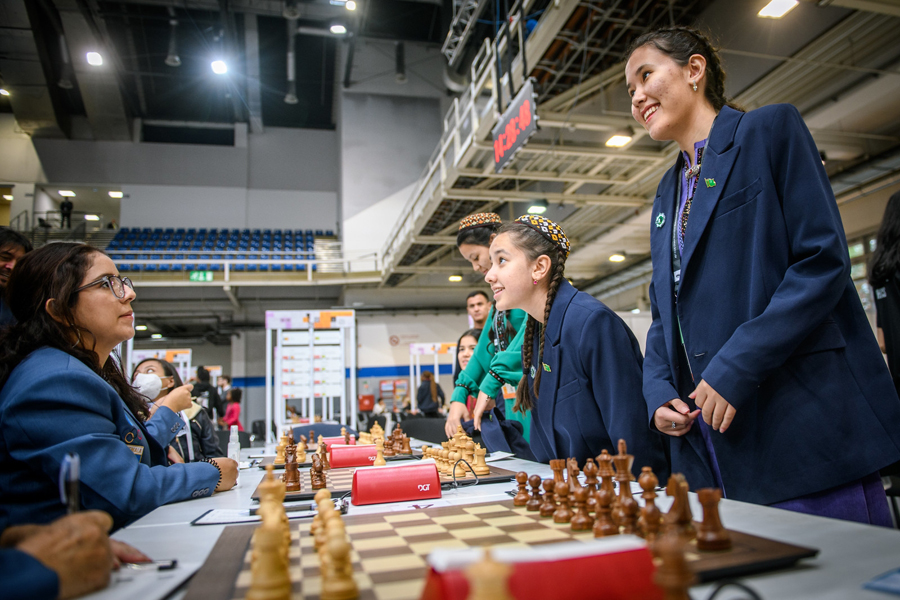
(850, 554)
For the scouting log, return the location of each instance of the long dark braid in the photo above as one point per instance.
(534, 245)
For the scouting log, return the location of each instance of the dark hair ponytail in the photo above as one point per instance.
(534, 245)
(679, 44)
(477, 236)
(886, 260)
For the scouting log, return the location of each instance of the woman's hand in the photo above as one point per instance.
(178, 399)
(482, 404)
(458, 413)
(173, 456)
(674, 418)
(717, 412)
(229, 470)
(124, 553)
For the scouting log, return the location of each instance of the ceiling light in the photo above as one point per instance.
(617, 258)
(4, 92)
(455, 278)
(140, 328)
(620, 138)
(156, 336)
(635, 311)
(94, 59)
(8, 197)
(338, 29)
(219, 67)
(91, 218)
(538, 207)
(116, 195)
(66, 193)
(351, 5)
(777, 8)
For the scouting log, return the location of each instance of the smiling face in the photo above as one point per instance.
(661, 90)
(465, 350)
(9, 254)
(511, 275)
(478, 256)
(109, 319)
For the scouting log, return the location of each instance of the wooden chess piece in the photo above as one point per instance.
(336, 585)
(379, 456)
(534, 503)
(268, 488)
(312, 437)
(572, 472)
(469, 455)
(522, 497)
(590, 482)
(488, 579)
(558, 465)
(322, 495)
(389, 447)
(290, 435)
(649, 523)
(679, 517)
(317, 478)
(345, 435)
(548, 507)
(291, 470)
(459, 469)
(563, 513)
(481, 467)
(673, 575)
(323, 449)
(270, 577)
(279, 450)
(712, 534)
(627, 506)
(301, 450)
(581, 520)
(404, 448)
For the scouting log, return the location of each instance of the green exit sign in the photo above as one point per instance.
(200, 276)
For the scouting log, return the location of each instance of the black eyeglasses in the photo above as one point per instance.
(115, 284)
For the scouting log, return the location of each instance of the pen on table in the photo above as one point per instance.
(290, 508)
(69, 478)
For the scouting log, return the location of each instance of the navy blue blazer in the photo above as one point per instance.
(25, 577)
(770, 318)
(52, 404)
(591, 395)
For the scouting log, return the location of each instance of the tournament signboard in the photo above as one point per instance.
(516, 126)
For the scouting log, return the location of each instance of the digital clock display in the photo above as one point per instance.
(515, 127)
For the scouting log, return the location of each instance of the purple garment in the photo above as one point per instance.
(687, 185)
(863, 501)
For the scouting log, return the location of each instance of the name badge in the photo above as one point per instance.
(137, 449)
(677, 275)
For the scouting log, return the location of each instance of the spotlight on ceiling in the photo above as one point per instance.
(94, 59)
(172, 58)
(219, 67)
(455, 278)
(338, 29)
(777, 8)
(635, 311)
(351, 5)
(91, 218)
(538, 207)
(140, 328)
(620, 138)
(156, 336)
(617, 257)
(66, 193)
(116, 195)
(8, 197)
(4, 92)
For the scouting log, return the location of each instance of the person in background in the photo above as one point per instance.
(208, 398)
(884, 271)
(465, 348)
(70, 557)
(379, 407)
(233, 409)
(63, 391)
(757, 325)
(478, 305)
(429, 396)
(65, 213)
(13, 246)
(172, 391)
(223, 384)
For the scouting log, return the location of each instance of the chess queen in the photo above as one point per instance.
(756, 324)
(581, 363)
(64, 392)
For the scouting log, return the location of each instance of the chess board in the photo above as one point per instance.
(389, 550)
(270, 460)
(340, 481)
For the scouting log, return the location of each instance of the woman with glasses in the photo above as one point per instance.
(64, 392)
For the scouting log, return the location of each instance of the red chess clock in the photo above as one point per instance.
(395, 484)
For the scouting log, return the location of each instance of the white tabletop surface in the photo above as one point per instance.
(850, 554)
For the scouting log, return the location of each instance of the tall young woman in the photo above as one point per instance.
(498, 357)
(63, 392)
(756, 324)
(582, 365)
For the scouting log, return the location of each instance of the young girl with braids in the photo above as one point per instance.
(498, 357)
(756, 322)
(581, 363)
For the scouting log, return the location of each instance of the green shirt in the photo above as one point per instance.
(507, 364)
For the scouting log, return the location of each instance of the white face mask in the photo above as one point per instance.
(148, 385)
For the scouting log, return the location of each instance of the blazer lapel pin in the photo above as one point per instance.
(710, 182)
(660, 219)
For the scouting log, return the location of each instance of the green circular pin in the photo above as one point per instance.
(660, 219)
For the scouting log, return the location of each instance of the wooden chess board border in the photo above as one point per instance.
(218, 575)
(345, 475)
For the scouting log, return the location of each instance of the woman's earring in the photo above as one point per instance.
(695, 86)
(535, 282)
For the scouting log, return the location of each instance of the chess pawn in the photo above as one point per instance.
(345, 435)
(604, 525)
(459, 469)
(649, 523)
(469, 455)
(563, 513)
(312, 437)
(590, 482)
(379, 453)
(627, 509)
(679, 517)
(404, 446)
(488, 579)
(279, 450)
(582, 521)
(270, 578)
(522, 497)
(673, 575)
(481, 467)
(335, 583)
(326, 464)
(389, 447)
(268, 488)
(548, 507)
(535, 502)
(301, 451)
(321, 495)
(712, 535)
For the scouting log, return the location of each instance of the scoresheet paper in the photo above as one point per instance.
(146, 585)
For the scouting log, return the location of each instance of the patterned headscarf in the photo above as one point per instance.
(549, 230)
(480, 220)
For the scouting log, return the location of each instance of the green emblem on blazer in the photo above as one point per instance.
(532, 371)
(710, 182)
(660, 219)
(546, 367)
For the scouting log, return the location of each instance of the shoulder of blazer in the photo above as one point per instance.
(564, 296)
(45, 362)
